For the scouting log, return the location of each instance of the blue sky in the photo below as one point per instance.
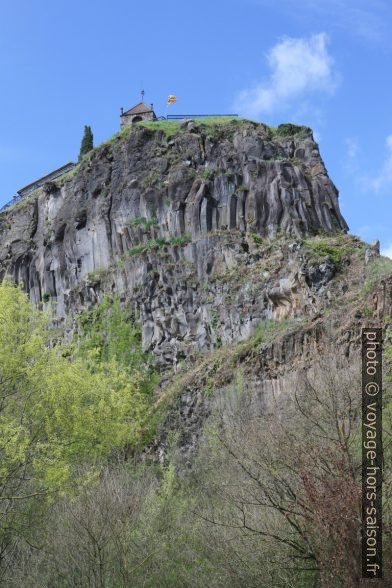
(324, 63)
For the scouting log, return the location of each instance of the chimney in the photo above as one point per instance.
(122, 111)
(152, 106)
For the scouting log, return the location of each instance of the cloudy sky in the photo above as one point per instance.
(323, 63)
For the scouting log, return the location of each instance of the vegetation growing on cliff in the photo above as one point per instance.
(272, 499)
(87, 142)
(289, 130)
(228, 471)
(154, 244)
(63, 411)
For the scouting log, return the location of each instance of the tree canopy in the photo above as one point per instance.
(87, 142)
(62, 410)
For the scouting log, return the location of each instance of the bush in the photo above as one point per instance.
(321, 248)
(377, 269)
(97, 276)
(289, 130)
(159, 244)
(143, 222)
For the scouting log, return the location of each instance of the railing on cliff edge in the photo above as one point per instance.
(30, 188)
(14, 200)
(186, 116)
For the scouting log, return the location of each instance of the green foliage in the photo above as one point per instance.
(151, 245)
(120, 135)
(137, 250)
(179, 241)
(74, 411)
(155, 244)
(63, 410)
(243, 188)
(377, 269)
(268, 330)
(45, 297)
(319, 248)
(289, 130)
(367, 311)
(24, 202)
(112, 334)
(172, 127)
(169, 127)
(67, 176)
(253, 511)
(217, 120)
(143, 222)
(87, 142)
(207, 173)
(225, 361)
(257, 239)
(97, 275)
(214, 326)
(214, 318)
(278, 158)
(150, 180)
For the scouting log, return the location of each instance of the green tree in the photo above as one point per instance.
(59, 415)
(87, 142)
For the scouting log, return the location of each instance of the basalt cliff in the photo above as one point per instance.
(209, 230)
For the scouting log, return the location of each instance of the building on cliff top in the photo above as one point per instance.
(139, 112)
(22, 192)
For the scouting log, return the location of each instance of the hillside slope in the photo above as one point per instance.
(240, 460)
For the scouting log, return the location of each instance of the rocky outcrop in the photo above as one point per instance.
(178, 222)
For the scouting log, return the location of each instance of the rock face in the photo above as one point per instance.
(177, 222)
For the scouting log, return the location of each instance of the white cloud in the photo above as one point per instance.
(351, 161)
(298, 66)
(368, 181)
(387, 252)
(352, 148)
(383, 179)
(363, 18)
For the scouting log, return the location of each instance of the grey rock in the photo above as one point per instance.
(214, 190)
(372, 252)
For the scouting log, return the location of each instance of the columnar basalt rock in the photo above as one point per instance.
(174, 224)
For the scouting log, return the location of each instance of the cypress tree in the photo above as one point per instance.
(87, 142)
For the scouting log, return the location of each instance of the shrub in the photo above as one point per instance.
(320, 248)
(97, 275)
(158, 244)
(179, 241)
(257, 239)
(137, 250)
(289, 130)
(150, 180)
(378, 268)
(143, 222)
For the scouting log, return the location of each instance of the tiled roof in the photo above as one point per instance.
(140, 108)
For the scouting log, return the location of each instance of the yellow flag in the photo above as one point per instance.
(171, 99)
